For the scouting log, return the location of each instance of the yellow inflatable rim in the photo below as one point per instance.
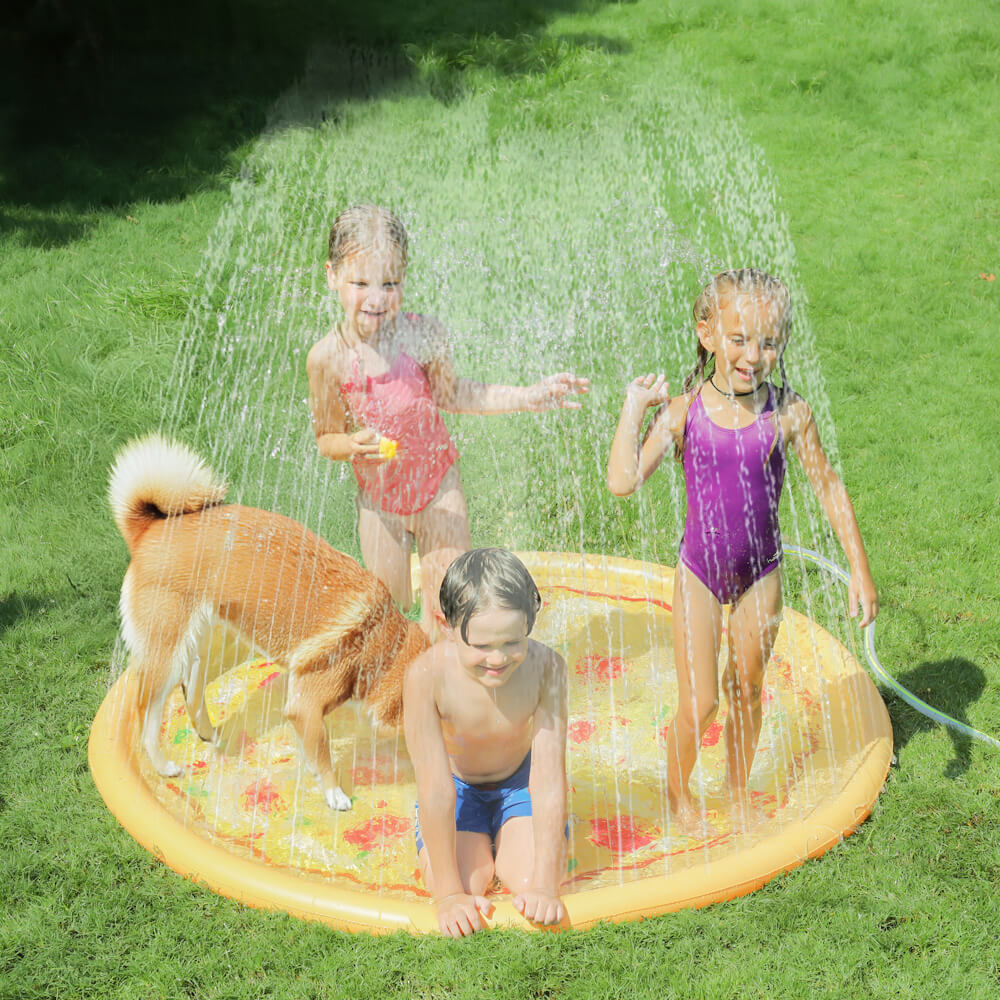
(113, 757)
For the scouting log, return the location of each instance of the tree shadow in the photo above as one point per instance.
(109, 104)
(948, 685)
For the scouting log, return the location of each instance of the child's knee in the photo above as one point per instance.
(515, 855)
(433, 567)
(514, 870)
(479, 879)
(746, 691)
(395, 574)
(474, 855)
(698, 713)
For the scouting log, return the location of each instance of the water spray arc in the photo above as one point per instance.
(540, 246)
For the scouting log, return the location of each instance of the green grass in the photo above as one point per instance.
(877, 131)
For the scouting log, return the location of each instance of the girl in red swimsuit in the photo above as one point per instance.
(377, 382)
(731, 428)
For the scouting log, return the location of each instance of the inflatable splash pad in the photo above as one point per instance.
(250, 823)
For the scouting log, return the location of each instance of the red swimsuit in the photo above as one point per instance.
(399, 405)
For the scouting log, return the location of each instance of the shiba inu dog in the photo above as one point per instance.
(196, 561)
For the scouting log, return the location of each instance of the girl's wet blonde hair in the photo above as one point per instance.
(364, 228)
(747, 280)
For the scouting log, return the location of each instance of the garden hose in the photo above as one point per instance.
(875, 665)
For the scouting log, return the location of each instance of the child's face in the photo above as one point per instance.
(745, 337)
(370, 286)
(497, 645)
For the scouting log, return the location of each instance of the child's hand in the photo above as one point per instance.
(553, 393)
(646, 391)
(861, 593)
(458, 914)
(540, 906)
(365, 444)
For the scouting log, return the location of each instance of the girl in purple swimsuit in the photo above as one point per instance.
(377, 382)
(731, 429)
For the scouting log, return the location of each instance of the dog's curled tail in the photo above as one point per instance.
(153, 477)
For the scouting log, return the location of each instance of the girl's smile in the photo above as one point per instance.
(745, 337)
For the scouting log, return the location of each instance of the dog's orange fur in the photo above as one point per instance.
(303, 603)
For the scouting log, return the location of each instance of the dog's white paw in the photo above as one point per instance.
(336, 799)
(169, 769)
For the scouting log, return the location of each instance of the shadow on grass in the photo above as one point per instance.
(14, 607)
(108, 104)
(949, 686)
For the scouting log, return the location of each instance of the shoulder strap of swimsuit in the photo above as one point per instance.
(693, 396)
(775, 420)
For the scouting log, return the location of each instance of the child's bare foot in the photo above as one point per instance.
(692, 821)
(747, 815)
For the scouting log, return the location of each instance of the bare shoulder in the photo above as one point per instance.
(678, 406)
(423, 682)
(545, 656)
(429, 665)
(796, 414)
(676, 412)
(423, 338)
(322, 356)
(550, 667)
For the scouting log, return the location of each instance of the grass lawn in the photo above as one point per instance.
(871, 140)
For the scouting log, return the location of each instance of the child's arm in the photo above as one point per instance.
(457, 910)
(462, 395)
(329, 415)
(547, 787)
(837, 506)
(631, 463)
(554, 392)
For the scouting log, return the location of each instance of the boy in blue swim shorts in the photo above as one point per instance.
(484, 713)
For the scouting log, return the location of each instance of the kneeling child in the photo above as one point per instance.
(484, 712)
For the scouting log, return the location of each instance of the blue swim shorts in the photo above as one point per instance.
(485, 808)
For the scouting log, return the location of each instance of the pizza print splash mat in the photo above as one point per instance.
(822, 758)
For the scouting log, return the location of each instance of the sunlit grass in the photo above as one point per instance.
(879, 130)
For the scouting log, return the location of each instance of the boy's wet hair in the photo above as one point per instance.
(487, 578)
(366, 227)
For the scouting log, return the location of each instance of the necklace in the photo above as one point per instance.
(734, 395)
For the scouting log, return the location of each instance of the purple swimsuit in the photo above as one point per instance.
(733, 480)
